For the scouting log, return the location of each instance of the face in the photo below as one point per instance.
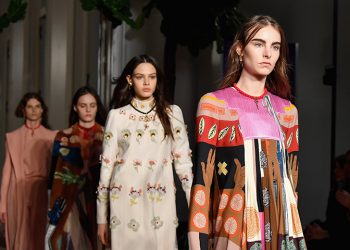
(86, 108)
(33, 110)
(261, 53)
(144, 81)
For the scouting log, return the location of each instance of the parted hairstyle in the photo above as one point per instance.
(19, 112)
(101, 113)
(123, 94)
(277, 81)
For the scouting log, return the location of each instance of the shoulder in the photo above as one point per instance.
(214, 103)
(15, 132)
(283, 105)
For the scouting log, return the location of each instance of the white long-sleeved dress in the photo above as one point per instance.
(136, 180)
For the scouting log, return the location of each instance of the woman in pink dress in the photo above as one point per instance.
(24, 199)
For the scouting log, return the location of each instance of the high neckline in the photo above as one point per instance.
(143, 106)
(255, 98)
(32, 128)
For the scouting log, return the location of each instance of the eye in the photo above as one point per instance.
(276, 47)
(153, 77)
(258, 45)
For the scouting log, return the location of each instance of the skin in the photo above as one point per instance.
(144, 81)
(33, 113)
(86, 109)
(259, 59)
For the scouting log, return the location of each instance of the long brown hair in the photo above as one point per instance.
(277, 81)
(122, 94)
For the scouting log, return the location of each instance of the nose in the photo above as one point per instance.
(267, 53)
(147, 80)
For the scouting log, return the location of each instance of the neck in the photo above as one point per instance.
(86, 124)
(252, 85)
(32, 124)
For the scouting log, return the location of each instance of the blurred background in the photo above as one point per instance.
(54, 47)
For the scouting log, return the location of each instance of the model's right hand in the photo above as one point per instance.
(3, 217)
(102, 232)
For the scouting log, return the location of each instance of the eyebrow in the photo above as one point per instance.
(263, 41)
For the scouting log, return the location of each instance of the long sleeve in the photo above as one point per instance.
(108, 158)
(292, 145)
(181, 151)
(207, 124)
(6, 174)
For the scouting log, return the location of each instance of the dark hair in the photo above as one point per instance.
(122, 94)
(101, 113)
(19, 112)
(277, 81)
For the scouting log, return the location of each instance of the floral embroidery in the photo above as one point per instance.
(152, 191)
(161, 192)
(64, 151)
(64, 141)
(139, 134)
(126, 134)
(185, 182)
(156, 222)
(74, 139)
(115, 191)
(108, 135)
(151, 164)
(114, 222)
(102, 194)
(165, 162)
(132, 117)
(137, 164)
(133, 225)
(176, 222)
(153, 133)
(177, 157)
(122, 111)
(134, 195)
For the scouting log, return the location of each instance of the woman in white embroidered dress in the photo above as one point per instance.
(144, 135)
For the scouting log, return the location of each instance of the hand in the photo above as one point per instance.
(102, 234)
(208, 169)
(3, 216)
(343, 197)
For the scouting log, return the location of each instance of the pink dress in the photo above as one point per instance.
(24, 186)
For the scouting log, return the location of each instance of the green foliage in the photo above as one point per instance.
(16, 11)
(116, 11)
(198, 24)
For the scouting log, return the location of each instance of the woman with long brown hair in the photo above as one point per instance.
(244, 190)
(144, 135)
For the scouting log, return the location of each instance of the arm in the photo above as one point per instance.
(108, 159)
(292, 145)
(6, 174)
(207, 134)
(181, 151)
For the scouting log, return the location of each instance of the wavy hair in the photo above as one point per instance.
(277, 81)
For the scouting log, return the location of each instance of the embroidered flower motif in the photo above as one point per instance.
(266, 197)
(151, 164)
(137, 164)
(263, 159)
(64, 141)
(185, 182)
(161, 192)
(114, 222)
(102, 194)
(177, 157)
(122, 111)
(64, 151)
(153, 133)
(156, 222)
(108, 135)
(133, 225)
(74, 139)
(126, 134)
(165, 162)
(115, 191)
(132, 117)
(139, 134)
(152, 191)
(134, 195)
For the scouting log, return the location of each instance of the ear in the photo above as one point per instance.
(75, 108)
(239, 50)
(128, 78)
